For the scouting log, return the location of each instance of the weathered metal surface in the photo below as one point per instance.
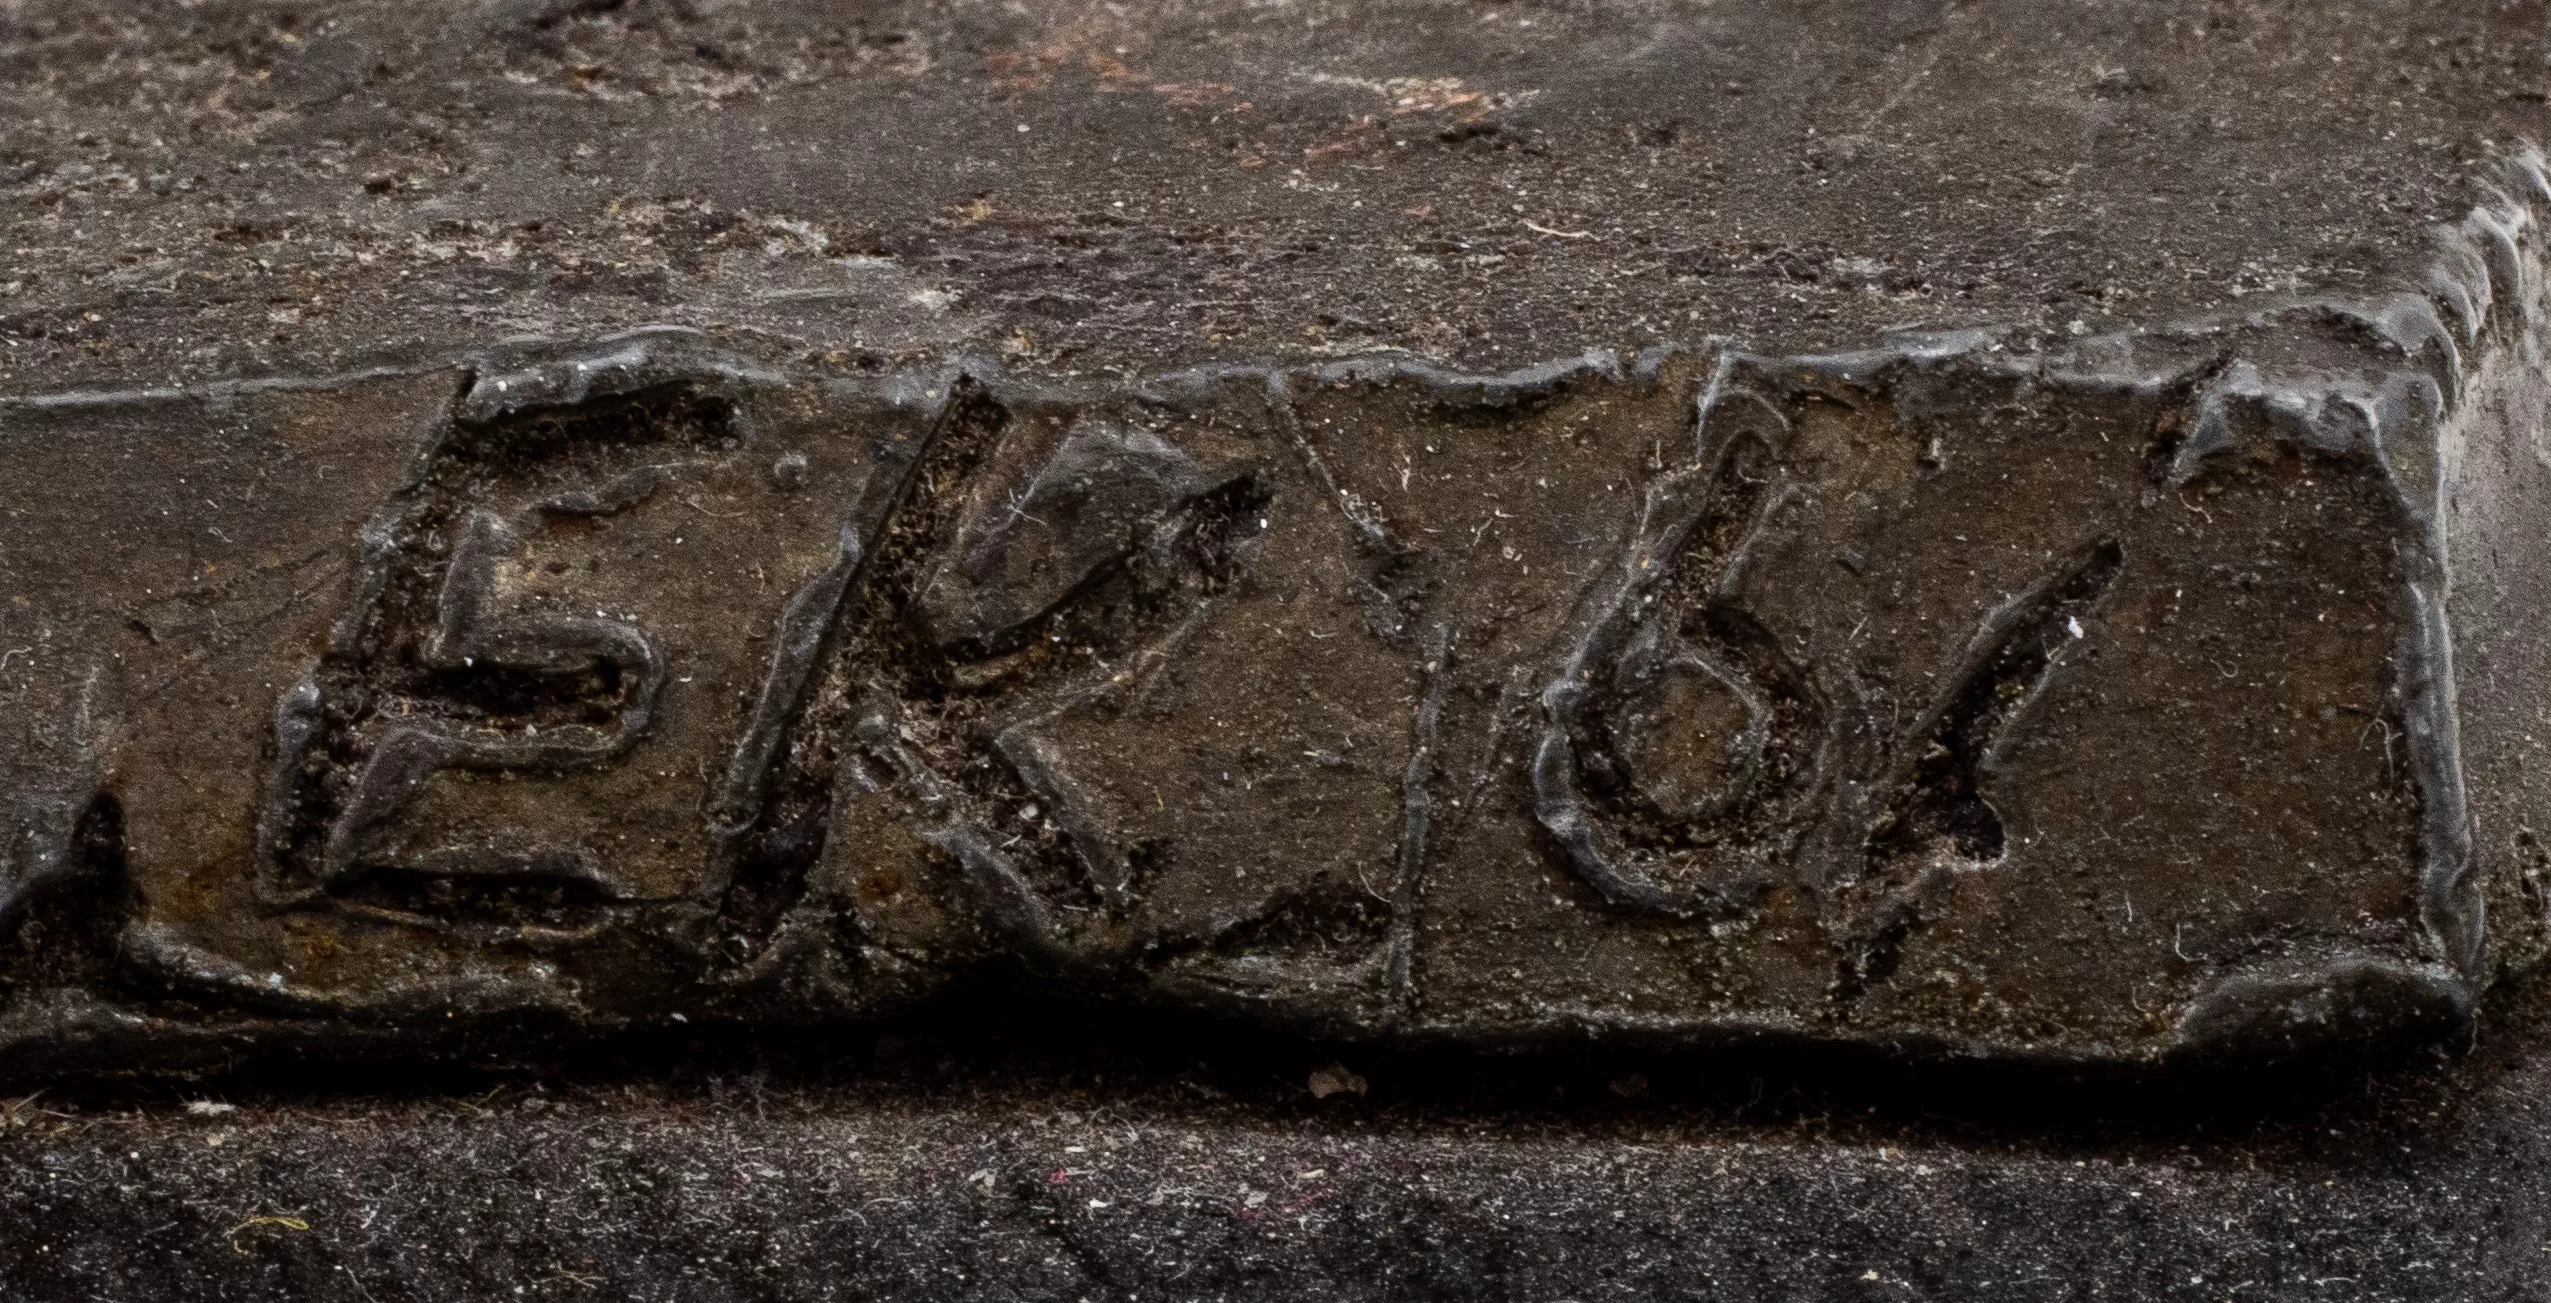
(2090, 704)
(1828, 772)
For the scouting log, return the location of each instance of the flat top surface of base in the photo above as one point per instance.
(239, 188)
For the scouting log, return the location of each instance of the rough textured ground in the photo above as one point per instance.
(196, 191)
(1060, 1160)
